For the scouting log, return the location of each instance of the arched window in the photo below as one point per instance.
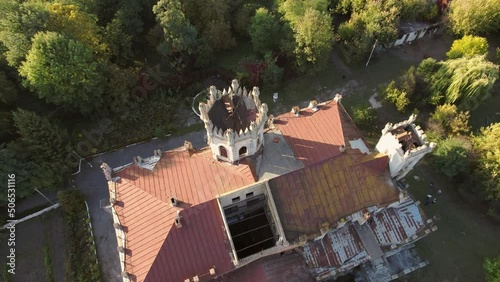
(222, 151)
(243, 151)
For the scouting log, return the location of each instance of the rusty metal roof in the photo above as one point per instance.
(335, 248)
(327, 191)
(155, 247)
(396, 225)
(276, 268)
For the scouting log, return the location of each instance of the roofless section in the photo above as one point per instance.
(252, 223)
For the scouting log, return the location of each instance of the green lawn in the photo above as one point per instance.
(465, 235)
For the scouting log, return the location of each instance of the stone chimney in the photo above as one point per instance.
(337, 98)
(138, 160)
(107, 171)
(342, 148)
(295, 110)
(313, 105)
(178, 222)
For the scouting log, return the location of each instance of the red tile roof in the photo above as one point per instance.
(327, 191)
(316, 136)
(148, 219)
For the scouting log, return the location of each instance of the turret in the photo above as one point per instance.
(234, 120)
(405, 143)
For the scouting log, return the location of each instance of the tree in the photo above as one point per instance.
(242, 19)
(264, 31)
(312, 30)
(47, 147)
(314, 38)
(487, 148)
(474, 17)
(18, 24)
(378, 20)
(452, 121)
(492, 268)
(218, 35)
(412, 10)
(273, 74)
(468, 46)
(179, 34)
(211, 18)
(451, 156)
(396, 96)
(12, 164)
(364, 116)
(71, 21)
(8, 91)
(63, 71)
(463, 81)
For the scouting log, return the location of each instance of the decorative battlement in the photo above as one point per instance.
(405, 143)
(234, 120)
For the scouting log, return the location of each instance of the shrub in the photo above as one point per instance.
(363, 116)
(397, 97)
(492, 268)
(451, 156)
(469, 46)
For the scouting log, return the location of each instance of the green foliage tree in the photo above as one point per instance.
(8, 91)
(211, 18)
(451, 121)
(179, 34)
(487, 148)
(64, 72)
(71, 21)
(349, 6)
(463, 81)
(20, 21)
(314, 38)
(47, 147)
(364, 116)
(264, 31)
(492, 269)
(468, 46)
(474, 17)
(243, 18)
(312, 30)
(451, 156)
(396, 96)
(273, 74)
(411, 10)
(12, 164)
(218, 35)
(378, 20)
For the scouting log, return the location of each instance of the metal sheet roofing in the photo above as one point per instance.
(316, 136)
(154, 244)
(334, 249)
(328, 191)
(395, 225)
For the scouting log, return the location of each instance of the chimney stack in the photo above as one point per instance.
(212, 271)
(296, 110)
(157, 153)
(342, 148)
(107, 171)
(174, 202)
(178, 222)
(337, 98)
(138, 160)
(313, 105)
